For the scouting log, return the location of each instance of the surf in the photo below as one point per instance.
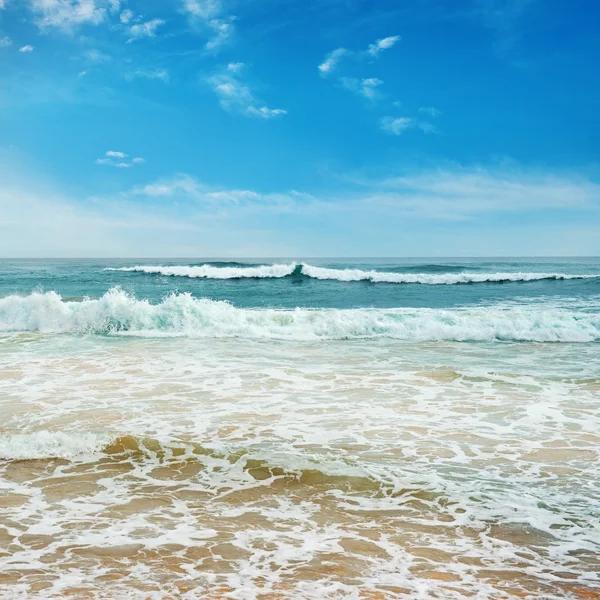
(182, 315)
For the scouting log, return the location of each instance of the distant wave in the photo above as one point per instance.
(285, 270)
(117, 313)
(212, 272)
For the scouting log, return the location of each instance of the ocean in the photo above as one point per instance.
(300, 429)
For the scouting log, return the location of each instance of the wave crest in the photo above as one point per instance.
(431, 279)
(347, 275)
(118, 313)
(212, 272)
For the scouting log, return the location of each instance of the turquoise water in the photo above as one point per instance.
(414, 300)
(88, 278)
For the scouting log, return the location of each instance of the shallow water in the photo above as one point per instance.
(206, 462)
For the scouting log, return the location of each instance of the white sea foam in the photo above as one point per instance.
(211, 272)
(431, 279)
(302, 470)
(183, 315)
(51, 444)
(283, 270)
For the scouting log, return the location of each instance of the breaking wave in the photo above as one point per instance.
(212, 272)
(302, 269)
(118, 313)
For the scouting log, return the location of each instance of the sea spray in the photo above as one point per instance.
(117, 312)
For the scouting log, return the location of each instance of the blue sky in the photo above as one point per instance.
(299, 128)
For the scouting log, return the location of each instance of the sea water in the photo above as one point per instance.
(392, 428)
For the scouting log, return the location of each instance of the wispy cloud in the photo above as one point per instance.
(126, 16)
(427, 127)
(160, 74)
(396, 126)
(331, 61)
(5, 42)
(264, 112)
(222, 32)
(503, 18)
(171, 216)
(118, 159)
(235, 67)
(466, 192)
(184, 187)
(209, 15)
(431, 111)
(144, 30)
(27, 48)
(236, 96)
(96, 56)
(67, 14)
(202, 9)
(382, 44)
(456, 193)
(364, 87)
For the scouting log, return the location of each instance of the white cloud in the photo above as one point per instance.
(465, 192)
(27, 48)
(208, 15)
(331, 61)
(169, 187)
(161, 74)
(235, 67)
(82, 74)
(427, 127)
(5, 42)
(117, 159)
(364, 87)
(383, 44)
(455, 193)
(37, 221)
(222, 30)
(431, 111)
(96, 56)
(126, 16)
(396, 126)
(67, 14)
(147, 29)
(264, 112)
(333, 58)
(236, 96)
(184, 187)
(202, 9)
(182, 216)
